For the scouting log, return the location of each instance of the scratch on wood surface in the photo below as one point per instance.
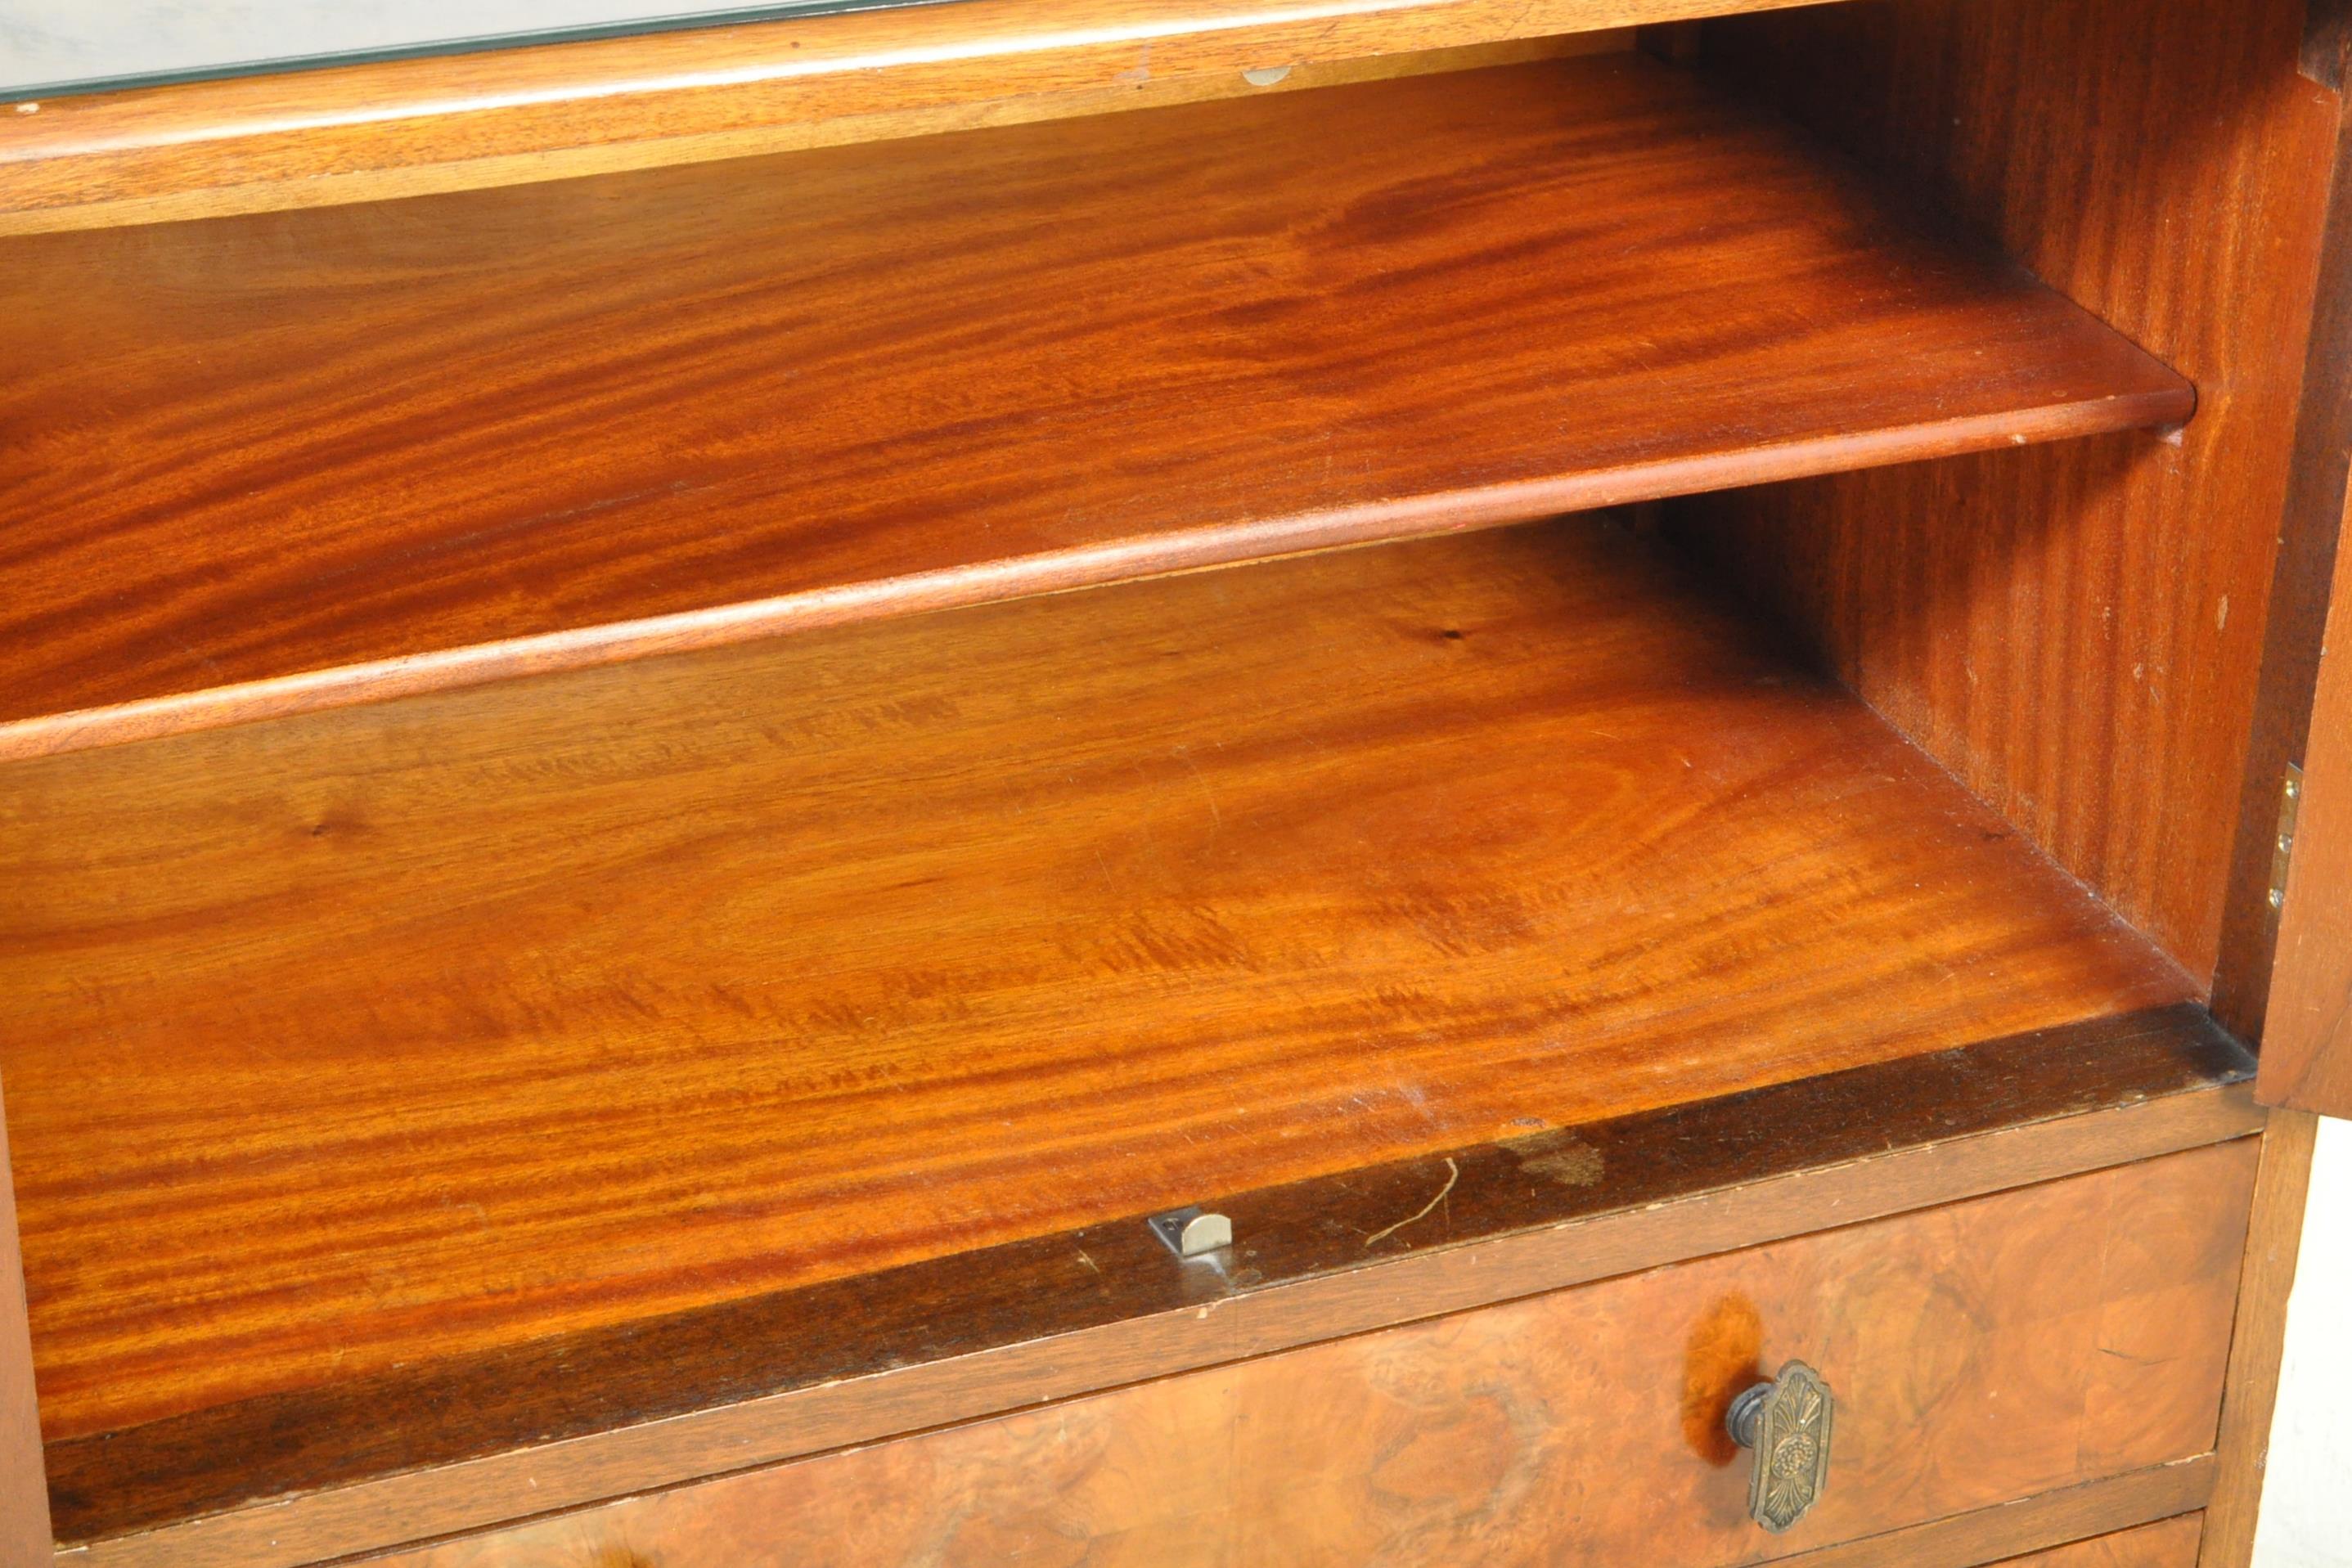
(1216, 818)
(1453, 1175)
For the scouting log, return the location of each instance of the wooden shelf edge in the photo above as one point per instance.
(1100, 565)
(404, 128)
(1037, 1321)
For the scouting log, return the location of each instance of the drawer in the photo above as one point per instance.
(1988, 1351)
(2172, 1543)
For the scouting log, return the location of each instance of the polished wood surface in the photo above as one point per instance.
(2307, 1041)
(2258, 1338)
(579, 1418)
(370, 131)
(2170, 1543)
(816, 956)
(1980, 1353)
(24, 1536)
(2077, 632)
(360, 451)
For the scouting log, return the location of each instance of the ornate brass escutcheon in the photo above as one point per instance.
(1786, 1422)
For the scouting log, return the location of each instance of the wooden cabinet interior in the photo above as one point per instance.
(582, 910)
(2078, 637)
(1201, 885)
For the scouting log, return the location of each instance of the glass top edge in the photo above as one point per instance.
(83, 87)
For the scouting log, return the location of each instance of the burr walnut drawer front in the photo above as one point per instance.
(1985, 1352)
(2168, 1544)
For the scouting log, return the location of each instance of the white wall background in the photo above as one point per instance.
(2307, 1519)
(43, 42)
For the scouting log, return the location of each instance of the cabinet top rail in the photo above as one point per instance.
(398, 128)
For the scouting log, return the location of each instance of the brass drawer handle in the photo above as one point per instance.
(1786, 1422)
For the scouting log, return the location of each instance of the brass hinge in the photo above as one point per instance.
(2290, 807)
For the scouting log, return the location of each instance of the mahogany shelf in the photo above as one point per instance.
(361, 1041)
(288, 460)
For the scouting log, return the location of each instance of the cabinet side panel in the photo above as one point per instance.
(2076, 632)
(2308, 533)
(2307, 1040)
